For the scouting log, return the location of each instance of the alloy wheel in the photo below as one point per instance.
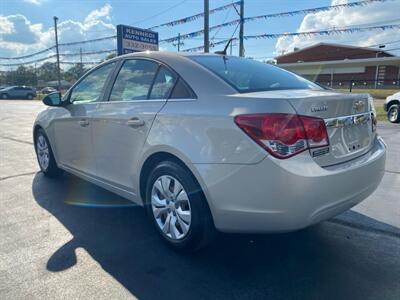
(393, 114)
(43, 152)
(171, 207)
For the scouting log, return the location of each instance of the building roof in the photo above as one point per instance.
(330, 51)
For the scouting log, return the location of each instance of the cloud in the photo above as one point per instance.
(370, 15)
(6, 26)
(21, 37)
(98, 14)
(35, 2)
(18, 29)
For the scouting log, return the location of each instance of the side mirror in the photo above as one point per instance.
(53, 99)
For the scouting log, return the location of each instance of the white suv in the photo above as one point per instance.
(392, 104)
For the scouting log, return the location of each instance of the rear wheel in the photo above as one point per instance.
(45, 156)
(4, 96)
(393, 114)
(178, 207)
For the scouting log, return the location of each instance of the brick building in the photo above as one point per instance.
(341, 65)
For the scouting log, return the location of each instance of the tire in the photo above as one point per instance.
(200, 231)
(394, 114)
(4, 96)
(49, 167)
(29, 97)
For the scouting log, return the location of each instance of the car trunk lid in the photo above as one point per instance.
(348, 121)
(347, 118)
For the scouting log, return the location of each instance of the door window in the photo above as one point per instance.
(134, 80)
(90, 88)
(163, 84)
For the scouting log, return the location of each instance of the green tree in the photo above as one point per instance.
(74, 73)
(21, 76)
(47, 71)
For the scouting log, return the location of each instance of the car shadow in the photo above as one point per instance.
(331, 260)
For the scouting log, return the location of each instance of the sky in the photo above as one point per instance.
(26, 26)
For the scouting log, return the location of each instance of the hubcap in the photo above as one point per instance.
(393, 114)
(171, 207)
(42, 152)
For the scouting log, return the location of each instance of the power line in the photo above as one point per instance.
(194, 17)
(160, 13)
(310, 33)
(30, 55)
(321, 32)
(217, 27)
(274, 15)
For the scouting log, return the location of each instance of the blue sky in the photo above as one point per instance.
(26, 25)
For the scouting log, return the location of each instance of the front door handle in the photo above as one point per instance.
(83, 123)
(135, 122)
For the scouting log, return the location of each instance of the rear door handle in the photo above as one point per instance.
(135, 122)
(83, 123)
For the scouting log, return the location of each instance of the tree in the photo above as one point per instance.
(21, 76)
(74, 73)
(48, 71)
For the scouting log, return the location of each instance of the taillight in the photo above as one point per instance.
(284, 135)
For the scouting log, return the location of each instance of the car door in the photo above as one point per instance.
(140, 90)
(73, 131)
(16, 92)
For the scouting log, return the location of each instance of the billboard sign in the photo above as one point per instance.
(132, 39)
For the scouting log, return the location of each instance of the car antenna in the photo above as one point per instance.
(223, 52)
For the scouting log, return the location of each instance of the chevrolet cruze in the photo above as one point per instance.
(213, 142)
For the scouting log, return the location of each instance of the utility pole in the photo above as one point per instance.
(241, 29)
(206, 26)
(179, 42)
(57, 54)
(81, 66)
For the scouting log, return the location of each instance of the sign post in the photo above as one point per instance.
(132, 39)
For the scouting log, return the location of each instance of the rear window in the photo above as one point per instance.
(247, 75)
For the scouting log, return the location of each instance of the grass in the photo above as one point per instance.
(376, 93)
(381, 114)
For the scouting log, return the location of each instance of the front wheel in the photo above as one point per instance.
(45, 156)
(4, 96)
(30, 97)
(393, 114)
(178, 207)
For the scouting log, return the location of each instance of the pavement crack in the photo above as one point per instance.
(16, 140)
(17, 175)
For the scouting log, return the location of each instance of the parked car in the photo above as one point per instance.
(18, 92)
(211, 142)
(48, 90)
(392, 106)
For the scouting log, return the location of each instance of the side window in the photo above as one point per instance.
(182, 91)
(163, 84)
(134, 80)
(91, 87)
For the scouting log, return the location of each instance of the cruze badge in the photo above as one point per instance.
(358, 106)
(319, 108)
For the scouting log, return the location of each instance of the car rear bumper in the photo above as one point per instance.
(285, 195)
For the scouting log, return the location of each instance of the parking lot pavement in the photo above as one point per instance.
(65, 238)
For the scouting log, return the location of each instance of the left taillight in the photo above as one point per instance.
(284, 135)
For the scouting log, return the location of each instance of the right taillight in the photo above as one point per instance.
(284, 135)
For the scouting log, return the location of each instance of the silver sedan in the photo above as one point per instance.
(213, 142)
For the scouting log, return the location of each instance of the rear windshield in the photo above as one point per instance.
(247, 75)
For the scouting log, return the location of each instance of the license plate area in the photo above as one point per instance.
(349, 135)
